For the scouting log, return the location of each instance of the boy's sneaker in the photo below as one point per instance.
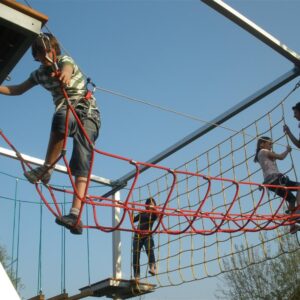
(69, 221)
(294, 229)
(42, 173)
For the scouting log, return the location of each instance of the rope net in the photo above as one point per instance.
(203, 207)
(228, 211)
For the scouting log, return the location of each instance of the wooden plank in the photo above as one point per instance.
(63, 296)
(118, 288)
(26, 10)
(82, 295)
(38, 297)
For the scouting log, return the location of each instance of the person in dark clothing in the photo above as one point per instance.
(146, 220)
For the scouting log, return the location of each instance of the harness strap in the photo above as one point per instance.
(89, 92)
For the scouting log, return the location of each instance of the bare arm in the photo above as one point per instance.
(19, 89)
(280, 156)
(66, 74)
(288, 132)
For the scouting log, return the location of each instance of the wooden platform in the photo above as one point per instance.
(19, 26)
(110, 288)
(38, 297)
(26, 10)
(63, 296)
(119, 288)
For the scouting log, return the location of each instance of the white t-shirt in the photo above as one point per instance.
(268, 165)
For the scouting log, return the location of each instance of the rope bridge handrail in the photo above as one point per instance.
(202, 198)
(217, 219)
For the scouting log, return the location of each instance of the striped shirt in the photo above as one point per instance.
(75, 90)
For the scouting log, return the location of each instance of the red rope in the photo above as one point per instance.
(248, 222)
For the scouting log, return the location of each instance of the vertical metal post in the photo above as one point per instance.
(116, 240)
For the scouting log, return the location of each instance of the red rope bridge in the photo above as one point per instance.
(215, 221)
(224, 219)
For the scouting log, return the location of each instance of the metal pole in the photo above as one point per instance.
(58, 168)
(268, 89)
(255, 30)
(116, 240)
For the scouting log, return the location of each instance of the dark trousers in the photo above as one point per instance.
(138, 243)
(285, 181)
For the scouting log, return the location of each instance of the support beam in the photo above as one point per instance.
(268, 89)
(81, 295)
(262, 35)
(38, 297)
(63, 296)
(58, 168)
(255, 30)
(116, 241)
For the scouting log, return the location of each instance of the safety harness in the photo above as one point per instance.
(88, 97)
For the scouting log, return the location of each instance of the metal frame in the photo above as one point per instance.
(58, 168)
(254, 29)
(266, 38)
(263, 36)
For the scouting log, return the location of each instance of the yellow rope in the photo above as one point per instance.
(190, 257)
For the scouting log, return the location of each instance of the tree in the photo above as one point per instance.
(251, 275)
(5, 260)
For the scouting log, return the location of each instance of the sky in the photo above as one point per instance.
(178, 54)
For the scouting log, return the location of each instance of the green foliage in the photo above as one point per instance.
(251, 274)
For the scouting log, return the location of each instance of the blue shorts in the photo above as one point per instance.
(82, 151)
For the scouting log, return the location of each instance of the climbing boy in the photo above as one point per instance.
(57, 70)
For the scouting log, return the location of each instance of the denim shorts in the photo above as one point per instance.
(80, 161)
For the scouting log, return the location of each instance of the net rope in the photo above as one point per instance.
(215, 177)
(206, 206)
(188, 257)
(201, 218)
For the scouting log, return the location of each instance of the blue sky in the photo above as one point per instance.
(179, 54)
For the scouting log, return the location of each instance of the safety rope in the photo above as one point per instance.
(182, 114)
